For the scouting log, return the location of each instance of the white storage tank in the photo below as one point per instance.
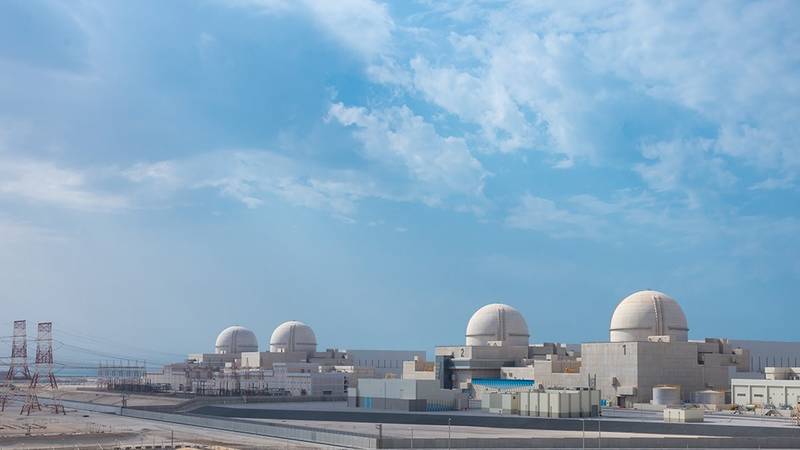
(709, 397)
(667, 395)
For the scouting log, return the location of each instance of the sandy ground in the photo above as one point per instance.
(88, 429)
(113, 399)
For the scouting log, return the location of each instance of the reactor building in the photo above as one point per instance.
(291, 366)
(648, 347)
(648, 359)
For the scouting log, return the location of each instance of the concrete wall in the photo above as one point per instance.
(583, 403)
(406, 394)
(779, 393)
(769, 353)
(383, 361)
(592, 441)
(630, 370)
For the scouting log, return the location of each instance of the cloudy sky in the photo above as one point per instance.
(379, 170)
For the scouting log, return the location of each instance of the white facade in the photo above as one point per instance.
(405, 394)
(236, 339)
(548, 403)
(497, 324)
(293, 336)
(765, 393)
(648, 313)
(382, 362)
(684, 414)
(765, 354)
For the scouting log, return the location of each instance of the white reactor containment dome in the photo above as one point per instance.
(648, 313)
(236, 339)
(497, 322)
(293, 336)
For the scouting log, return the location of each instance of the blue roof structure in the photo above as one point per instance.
(501, 383)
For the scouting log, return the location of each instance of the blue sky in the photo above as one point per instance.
(381, 170)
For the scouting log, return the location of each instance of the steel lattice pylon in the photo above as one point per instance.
(44, 368)
(18, 366)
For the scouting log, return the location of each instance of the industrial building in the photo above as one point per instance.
(648, 347)
(545, 403)
(647, 360)
(292, 366)
(779, 389)
(405, 395)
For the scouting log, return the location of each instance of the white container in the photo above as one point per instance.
(709, 397)
(666, 395)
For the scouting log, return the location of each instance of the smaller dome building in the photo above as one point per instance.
(497, 322)
(293, 336)
(236, 339)
(648, 313)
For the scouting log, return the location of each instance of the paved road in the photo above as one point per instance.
(606, 424)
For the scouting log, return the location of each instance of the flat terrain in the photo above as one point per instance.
(441, 431)
(87, 429)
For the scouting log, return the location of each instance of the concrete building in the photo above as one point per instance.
(236, 339)
(780, 389)
(765, 354)
(293, 366)
(405, 395)
(648, 346)
(496, 340)
(293, 336)
(545, 403)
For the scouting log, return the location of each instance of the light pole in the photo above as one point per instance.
(583, 433)
(380, 435)
(412, 436)
(449, 434)
(599, 434)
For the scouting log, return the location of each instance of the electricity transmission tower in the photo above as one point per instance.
(18, 366)
(44, 373)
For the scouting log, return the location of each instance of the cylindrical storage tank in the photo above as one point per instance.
(667, 395)
(709, 397)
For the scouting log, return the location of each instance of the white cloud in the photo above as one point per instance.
(364, 26)
(253, 177)
(771, 184)
(45, 182)
(624, 216)
(442, 166)
(676, 165)
(482, 101)
(576, 80)
(543, 215)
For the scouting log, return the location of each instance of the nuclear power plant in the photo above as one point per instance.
(291, 365)
(649, 385)
(648, 355)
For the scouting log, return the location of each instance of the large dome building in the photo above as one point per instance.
(648, 313)
(498, 323)
(236, 339)
(293, 336)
